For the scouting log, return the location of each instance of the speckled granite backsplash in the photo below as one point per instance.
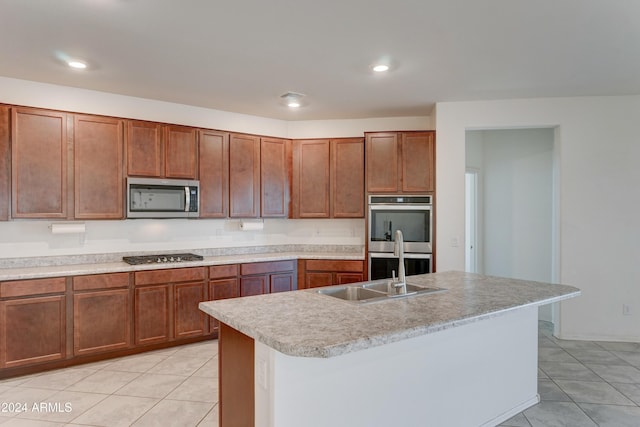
(211, 252)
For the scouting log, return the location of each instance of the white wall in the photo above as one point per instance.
(597, 155)
(33, 238)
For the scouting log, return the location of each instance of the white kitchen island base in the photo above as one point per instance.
(477, 374)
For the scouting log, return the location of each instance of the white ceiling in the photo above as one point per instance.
(241, 55)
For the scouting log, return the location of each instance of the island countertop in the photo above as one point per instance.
(308, 324)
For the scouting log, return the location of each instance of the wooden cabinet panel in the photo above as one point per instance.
(267, 267)
(189, 320)
(98, 167)
(417, 154)
(347, 178)
(311, 178)
(344, 278)
(170, 275)
(222, 289)
(145, 156)
(180, 152)
(316, 279)
(254, 285)
(21, 288)
(100, 281)
(331, 272)
(152, 314)
(39, 163)
(32, 330)
(275, 178)
(382, 162)
(334, 265)
(281, 282)
(214, 174)
(244, 176)
(101, 321)
(222, 271)
(5, 170)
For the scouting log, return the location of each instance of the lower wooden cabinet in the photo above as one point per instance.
(223, 284)
(267, 277)
(317, 273)
(101, 321)
(151, 314)
(189, 320)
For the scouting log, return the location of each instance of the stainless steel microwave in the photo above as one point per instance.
(162, 198)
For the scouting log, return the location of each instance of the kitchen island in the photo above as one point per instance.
(463, 357)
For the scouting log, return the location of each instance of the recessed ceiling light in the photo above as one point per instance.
(380, 68)
(293, 104)
(292, 99)
(78, 65)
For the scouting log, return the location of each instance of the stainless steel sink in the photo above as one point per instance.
(378, 290)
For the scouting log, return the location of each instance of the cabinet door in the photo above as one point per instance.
(417, 154)
(101, 321)
(316, 279)
(281, 282)
(98, 169)
(180, 152)
(214, 174)
(382, 162)
(244, 176)
(144, 149)
(254, 285)
(39, 163)
(32, 330)
(344, 278)
(311, 178)
(189, 320)
(4, 163)
(347, 178)
(275, 178)
(222, 289)
(152, 314)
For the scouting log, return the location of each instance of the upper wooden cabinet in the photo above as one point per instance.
(39, 158)
(4, 163)
(400, 162)
(98, 167)
(213, 156)
(244, 176)
(347, 178)
(161, 151)
(311, 160)
(275, 177)
(328, 178)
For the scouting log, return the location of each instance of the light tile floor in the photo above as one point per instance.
(584, 384)
(581, 384)
(172, 387)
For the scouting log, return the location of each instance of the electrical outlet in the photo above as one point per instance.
(626, 310)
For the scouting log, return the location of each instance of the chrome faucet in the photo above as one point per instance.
(400, 285)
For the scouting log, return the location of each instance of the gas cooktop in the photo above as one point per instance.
(155, 259)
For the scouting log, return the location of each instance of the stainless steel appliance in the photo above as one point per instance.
(155, 259)
(162, 198)
(411, 214)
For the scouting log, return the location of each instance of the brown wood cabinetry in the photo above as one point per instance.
(213, 155)
(400, 162)
(316, 273)
(275, 177)
(244, 176)
(161, 151)
(5, 171)
(328, 178)
(101, 313)
(98, 167)
(223, 284)
(267, 277)
(39, 157)
(166, 304)
(347, 178)
(32, 322)
(311, 162)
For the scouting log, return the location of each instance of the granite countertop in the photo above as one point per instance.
(305, 323)
(100, 264)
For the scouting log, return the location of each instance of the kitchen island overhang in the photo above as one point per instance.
(464, 357)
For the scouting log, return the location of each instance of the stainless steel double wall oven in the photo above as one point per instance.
(413, 215)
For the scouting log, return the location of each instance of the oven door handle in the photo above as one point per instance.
(391, 255)
(400, 207)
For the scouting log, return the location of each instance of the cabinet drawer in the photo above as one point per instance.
(101, 281)
(266, 267)
(333, 265)
(222, 271)
(21, 288)
(169, 276)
